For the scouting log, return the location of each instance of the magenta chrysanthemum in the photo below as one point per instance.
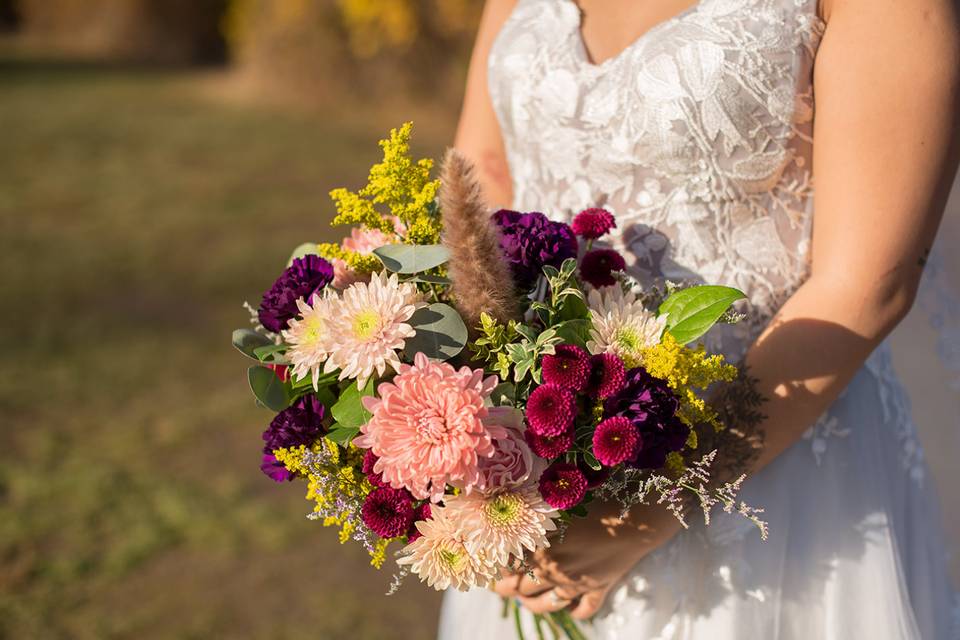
(593, 223)
(568, 367)
(388, 512)
(550, 446)
(607, 375)
(615, 440)
(369, 460)
(420, 514)
(563, 485)
(428, 427)
(550, 410)
(598, 267)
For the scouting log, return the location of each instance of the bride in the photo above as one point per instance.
(695, 124)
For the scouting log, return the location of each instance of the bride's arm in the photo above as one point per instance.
(885, 152)
(478, 133)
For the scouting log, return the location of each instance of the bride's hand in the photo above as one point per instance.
(596, 553)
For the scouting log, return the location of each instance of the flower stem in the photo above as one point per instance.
(517, 623)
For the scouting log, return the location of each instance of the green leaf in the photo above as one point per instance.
(574, 331)
(324, 380)
(429, 279)
(246, 340)
(691, 312)
(342, 435)
(412, 258)
(441, 333)
(267, 388)
(305, 249)
(263, 353)
(579, 511)
(591, 461)
(574, 308)
(503, 394)
(349, 411)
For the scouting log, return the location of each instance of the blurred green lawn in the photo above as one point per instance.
(135, 218)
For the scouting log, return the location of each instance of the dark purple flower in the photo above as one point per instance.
(304, 277)
(652, 407)
(274, 469)
(551, 410)
(568, 367)
(298, 424)
(563, 485)
(530, 241)
(595, 477)
(607, 375)
(593, 223)
(616, 440)
(388, 512)
(598, 266)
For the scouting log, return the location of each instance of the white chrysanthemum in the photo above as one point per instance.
(441, 557)
(368, 324)
(505, 522)
(309, 338)
(621, 325)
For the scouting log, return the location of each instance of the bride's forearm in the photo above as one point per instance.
(814, 347)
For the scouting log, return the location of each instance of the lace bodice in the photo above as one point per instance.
(698, 136)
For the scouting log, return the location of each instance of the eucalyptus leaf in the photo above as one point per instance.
(341, 434)
(412, 258)
(267, 388)
(349, 411)
(591, 461)
(503, 394)
(246, 340)
(429, 279)
(441, 333)
(269, 353)
(305, 249)
(691, 312)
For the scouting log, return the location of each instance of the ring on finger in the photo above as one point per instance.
(557, 600)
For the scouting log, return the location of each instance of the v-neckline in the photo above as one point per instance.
(585, 52)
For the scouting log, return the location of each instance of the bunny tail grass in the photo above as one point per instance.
(481, 277)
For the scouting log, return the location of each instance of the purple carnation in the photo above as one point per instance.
(531, 241)
(598, 266)
(563, 485)
(607, 375)
(388, 512)
(615, 440)
(593, 223)
(298, 424)
(568, 367)
(303, 278)
(274, 469)
(549, 446)
(551, 410)
(652, 408)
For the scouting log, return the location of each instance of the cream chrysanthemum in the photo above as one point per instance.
(503, 523)
(368, 324)
(309, 337)
(621, 325)
(441, 558)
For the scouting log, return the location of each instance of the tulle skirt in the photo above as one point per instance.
(855, 548)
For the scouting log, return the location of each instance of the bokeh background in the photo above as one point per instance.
(158, 161)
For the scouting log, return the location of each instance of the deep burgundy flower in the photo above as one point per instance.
(652, 407)
(595, 477)
(551, 410)
(616, 440)
(530, 241)
(388, 512)
(563, 485)
(567, 367)
(274, 469)
(370, 459)
(549, 446)
(300, 423)
(598, 266)
(304, 277)
(423, 512)
(607, 375)
(593, 223)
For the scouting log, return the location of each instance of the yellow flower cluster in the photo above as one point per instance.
(358, 262)
(400, 183)
(687, 370)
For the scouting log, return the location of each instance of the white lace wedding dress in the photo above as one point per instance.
(698, 137)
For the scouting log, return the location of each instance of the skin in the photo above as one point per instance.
(886, 79)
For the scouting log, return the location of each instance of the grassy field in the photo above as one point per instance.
(135, 218)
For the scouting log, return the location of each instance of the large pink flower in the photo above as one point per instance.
(512, 462)
(428, 427)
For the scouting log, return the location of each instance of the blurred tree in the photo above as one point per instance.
(167, 31)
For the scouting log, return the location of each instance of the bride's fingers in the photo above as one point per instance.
(507, 586)
(552, 600)
(589, 603)
(533, 586)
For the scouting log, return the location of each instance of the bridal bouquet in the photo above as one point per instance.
(460, 386)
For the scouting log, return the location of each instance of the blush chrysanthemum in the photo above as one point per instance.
(615, 440)
(503, 523)
(309, 338)
(440, 557)
(563, 485)
(551, 410)
(367, 325)
(428, 428)
(621, 325)
(568, 367)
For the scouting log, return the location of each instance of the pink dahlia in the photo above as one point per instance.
(562, 485)
(550, 446)
(551, 410)
(599, 267)
(511, 462)
(428, 427)
(616, 440)
(568, 367)
(421, 513)
(590, 224)
(607, 375)
(388, 512)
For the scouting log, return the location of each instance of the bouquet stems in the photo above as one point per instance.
(559, 622)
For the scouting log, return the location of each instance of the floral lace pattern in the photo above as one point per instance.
(697, 136)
